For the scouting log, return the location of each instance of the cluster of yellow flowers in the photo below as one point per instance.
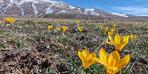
(112, 62)
(50, 27)
(106, 29)
(61, 28)
(10, 20)
(64, 28)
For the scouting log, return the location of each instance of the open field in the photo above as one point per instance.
(28, 47)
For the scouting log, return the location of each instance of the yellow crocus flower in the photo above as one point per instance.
(58, 29)
(64, 28)
(87, 58)
(112, 62)
(133, 36)
(111, 32)
(80, 29)
(118, 41)
(50, 27)
(10, 20)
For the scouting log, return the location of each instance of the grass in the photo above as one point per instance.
(62, 47)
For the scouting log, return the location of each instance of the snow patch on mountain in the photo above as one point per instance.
(55, 2)
(91, 12)
(34, 9)
(71, 7)
(49, 10)
(119, 14)
(61, 12)
(34, 1)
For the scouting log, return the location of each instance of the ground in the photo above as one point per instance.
(28, 47)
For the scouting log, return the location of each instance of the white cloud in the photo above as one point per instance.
(135, 10)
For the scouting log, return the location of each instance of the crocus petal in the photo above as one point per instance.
(85, 52)
(81, 56)
(124, 43)
(117, 39)
(125, 39)
(90, 60)
(102, 55)
(110, 40)
(113, 59)
(111, 70)
(124, 61)
(110, 33)
(119, 47)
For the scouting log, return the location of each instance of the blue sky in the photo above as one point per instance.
(134, 7)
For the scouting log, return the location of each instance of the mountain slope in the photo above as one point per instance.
(35, 8)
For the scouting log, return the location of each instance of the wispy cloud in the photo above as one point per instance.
(135, 10)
